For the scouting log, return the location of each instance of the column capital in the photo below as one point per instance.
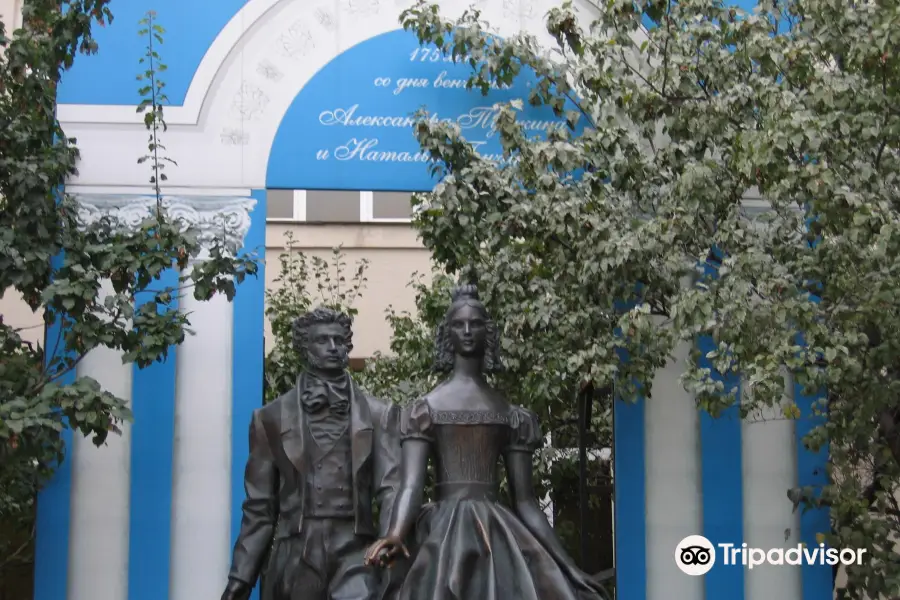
(225, 218)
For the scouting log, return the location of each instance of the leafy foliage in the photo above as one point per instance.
(406, 372)
(97, 283)
(592, 242)
(303, 283)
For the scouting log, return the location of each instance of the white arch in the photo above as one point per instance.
(189, 112)
(258, 64)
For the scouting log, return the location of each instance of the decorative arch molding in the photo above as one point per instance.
(221, 137)
(188, 113)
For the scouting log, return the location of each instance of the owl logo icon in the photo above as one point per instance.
(695, 555)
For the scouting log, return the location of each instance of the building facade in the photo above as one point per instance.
(373, 226)
(272, 124)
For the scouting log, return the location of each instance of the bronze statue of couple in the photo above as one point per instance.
(321, 453)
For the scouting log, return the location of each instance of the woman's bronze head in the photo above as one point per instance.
(467, 329)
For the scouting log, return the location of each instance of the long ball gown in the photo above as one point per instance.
(470, 546)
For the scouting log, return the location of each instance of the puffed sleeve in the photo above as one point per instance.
(525, 434)
(416, 421)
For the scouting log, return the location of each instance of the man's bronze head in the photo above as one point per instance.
(325, 336)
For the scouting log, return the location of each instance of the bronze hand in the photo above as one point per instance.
(383, 552)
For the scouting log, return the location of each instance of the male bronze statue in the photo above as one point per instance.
(319, 454)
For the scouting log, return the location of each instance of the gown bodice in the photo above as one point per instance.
(467, 445)
(468, 451)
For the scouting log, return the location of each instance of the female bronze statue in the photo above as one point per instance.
(471, 546)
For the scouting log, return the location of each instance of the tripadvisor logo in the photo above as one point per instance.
(695, 555)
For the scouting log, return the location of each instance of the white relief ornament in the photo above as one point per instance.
(529, 10)
(122, 212)
(326, 19)
(249, 102)
(297, 42)
(234, 137)
(216, 220)
(269, 71)
(361, 7)
(520, 10)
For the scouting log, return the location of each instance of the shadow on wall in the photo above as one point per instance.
(16, 537)
(17, 558)
(566, 513)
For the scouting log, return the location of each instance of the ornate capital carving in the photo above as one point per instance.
(225, 218)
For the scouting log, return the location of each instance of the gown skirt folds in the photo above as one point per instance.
(469, 546)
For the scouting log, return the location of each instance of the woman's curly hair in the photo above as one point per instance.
(466, 295)
(300, 327)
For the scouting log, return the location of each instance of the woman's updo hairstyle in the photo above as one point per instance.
(466, 295)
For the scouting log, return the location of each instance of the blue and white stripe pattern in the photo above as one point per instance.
(679, 472)
(153, 514)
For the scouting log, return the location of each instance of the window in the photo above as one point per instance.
(387, 207)
(285, 205)
(391, 205)
(338, 206)
(280, 204)
(326, 206)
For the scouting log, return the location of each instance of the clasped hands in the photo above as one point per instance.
(381, 554)
(385, 551)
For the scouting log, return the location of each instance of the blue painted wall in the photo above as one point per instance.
(630, 492)
(248, 358)
(152, 447)
(811, 471)
(351, 128)
(722, 483)
(108, 77)
(51, 547)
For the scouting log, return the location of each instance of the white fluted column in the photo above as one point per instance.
(201, 493)
(769, 468)
(673, 480)
(100, 500)
(201, 487)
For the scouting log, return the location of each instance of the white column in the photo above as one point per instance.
(100, 497)
(201, 503)
(201, 487)
(673, 480)
(769, 470)
(201, 490)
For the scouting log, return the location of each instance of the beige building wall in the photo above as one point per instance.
(394, 254)
(11, 14)
(18, 315)
(366, 225)
(393, 251)
(391, 246)
(13, 309)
